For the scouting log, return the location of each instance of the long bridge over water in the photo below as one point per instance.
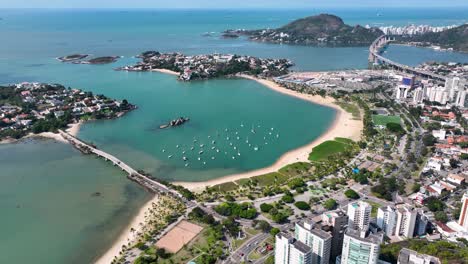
(133, 174)
(375, 57)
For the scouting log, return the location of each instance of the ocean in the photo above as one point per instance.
(55, 183)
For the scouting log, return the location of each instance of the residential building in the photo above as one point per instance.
(408, 256)
(318, 240)
(422, 220)
(289, 250)
(401, 91)
(405, 221)
(338, 221)
(418, 95)
(386, 220)
(360, 247)
(359, 215)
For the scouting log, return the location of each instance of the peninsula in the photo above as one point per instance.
(34, 108)
(455, 38)
(323, 29)
(209, 66)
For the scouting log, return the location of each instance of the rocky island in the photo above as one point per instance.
(323, 29)
(73, 57)
(79, 59)
(27, 108)
(101, 60)
(176, 122)
(209, 66)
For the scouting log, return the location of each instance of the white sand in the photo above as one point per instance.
(343, 126)
(50, 135)
(166, 71)
(73, 129)
(127, 236)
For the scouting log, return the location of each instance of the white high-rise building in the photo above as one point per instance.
(360, 248)
(463, 219)
(386, 219)
(418, 95)
(460, 100)
(359, 215)
(318, 240)
(452, 86)
(288, 250)
(406, 220)
(401, 91)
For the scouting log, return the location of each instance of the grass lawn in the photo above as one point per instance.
(296, 168)
(225, 187)
(375, 207)
(270, 179)
(236, 243)
(326, 149)
(381, 120)
(350, 108)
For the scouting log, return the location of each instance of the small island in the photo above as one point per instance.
(33, 108)
(79, 59)
(73, 57)
(202, 67)
(323, 29)
(100, 60)
(176, 122)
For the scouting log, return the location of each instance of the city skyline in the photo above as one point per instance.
(225, 4)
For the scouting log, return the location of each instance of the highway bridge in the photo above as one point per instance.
(375, 57)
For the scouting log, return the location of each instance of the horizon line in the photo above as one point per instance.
(233, 8)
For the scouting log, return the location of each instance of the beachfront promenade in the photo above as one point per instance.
(375, 57)
(133, 174)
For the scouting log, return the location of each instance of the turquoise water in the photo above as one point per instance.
(49, 214)
(57, 182)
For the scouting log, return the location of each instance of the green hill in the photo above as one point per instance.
(323, 29)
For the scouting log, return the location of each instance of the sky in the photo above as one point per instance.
(227, 4)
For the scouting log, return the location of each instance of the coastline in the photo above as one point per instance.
(129, 234)
(343, 126)
(166, 71)
(72, 129)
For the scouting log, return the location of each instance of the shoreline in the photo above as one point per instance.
(127, 235)
(72, 129)
(343, 126)
(166, 71)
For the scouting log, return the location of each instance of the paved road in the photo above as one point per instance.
(243, 251)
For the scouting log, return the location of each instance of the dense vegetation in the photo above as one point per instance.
(243, 210)
(446, 251)
(320, 29)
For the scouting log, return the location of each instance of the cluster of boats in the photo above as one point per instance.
(228, 143)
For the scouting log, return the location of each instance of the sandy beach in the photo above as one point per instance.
(166, 71)
(343, 126)
(73, 129)
(127, 235)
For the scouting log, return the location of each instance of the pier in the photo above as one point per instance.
(375, 58)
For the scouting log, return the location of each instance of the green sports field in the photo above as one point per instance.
(381, 120)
